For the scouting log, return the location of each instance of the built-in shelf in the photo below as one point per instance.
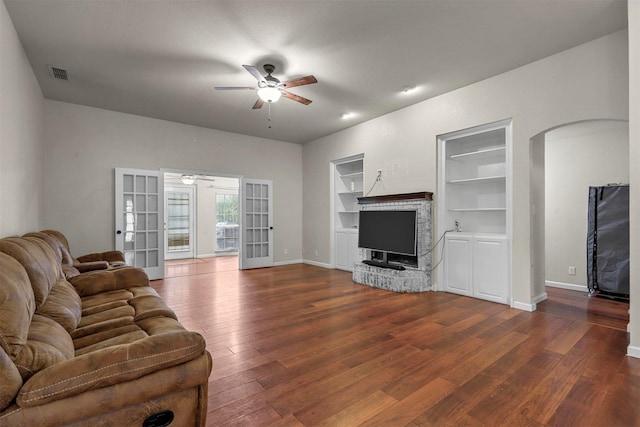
(348, 184)
(480, 179)
(477, 209)
(474, 185)
(480, 154)
(355, 175)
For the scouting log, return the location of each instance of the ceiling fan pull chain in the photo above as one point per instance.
(269, 120)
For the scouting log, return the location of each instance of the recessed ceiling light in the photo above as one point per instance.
(406, 89)
(347, 116)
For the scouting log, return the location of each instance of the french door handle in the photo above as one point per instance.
(118, 232)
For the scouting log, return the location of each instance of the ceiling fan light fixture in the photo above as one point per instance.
(269, 94)
(187, 179)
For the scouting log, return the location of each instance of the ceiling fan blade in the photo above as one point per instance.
(300, 82)
(234, 88)
(255, 73)
(259, 103)
(294, 97)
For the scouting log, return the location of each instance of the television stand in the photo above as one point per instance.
(383, 264)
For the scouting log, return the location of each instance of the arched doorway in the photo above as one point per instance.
(565, 161)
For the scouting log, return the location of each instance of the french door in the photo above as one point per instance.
(257, 223)
(139, 219)
(180, 222)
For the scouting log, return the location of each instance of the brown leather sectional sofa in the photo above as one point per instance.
(98, 348)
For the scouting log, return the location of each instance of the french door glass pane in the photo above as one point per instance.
(178, 221)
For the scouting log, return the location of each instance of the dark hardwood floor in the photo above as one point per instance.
(300, 345)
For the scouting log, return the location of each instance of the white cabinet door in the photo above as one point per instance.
(457, 275)
(346, 249)
(353, 249)
(342, 250)
(477, 266)
(490, 269)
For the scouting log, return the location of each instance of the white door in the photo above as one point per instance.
(179, 235)
(139, 219)
(257, 223)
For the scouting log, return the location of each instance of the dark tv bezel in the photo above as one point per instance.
(385, 250)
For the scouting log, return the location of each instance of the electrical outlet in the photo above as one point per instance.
(316, 252)
(572, 271)
(286, 251)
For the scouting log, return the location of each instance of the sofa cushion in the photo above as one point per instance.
(17, 305)
(63, 305)
(110, 366)
(95, 282)
(10, 380)
(147, 303)
(47, 344)
(39, 261)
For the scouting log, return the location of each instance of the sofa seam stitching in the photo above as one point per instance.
(101, 378)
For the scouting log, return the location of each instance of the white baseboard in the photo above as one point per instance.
(523, 306)
(633, 351)
(316, 263)
(570, 286)
(217, 254)
(539, 298)
(288, 262)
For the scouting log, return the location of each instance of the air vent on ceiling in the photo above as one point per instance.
(58, 73)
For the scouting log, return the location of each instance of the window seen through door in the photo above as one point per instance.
(227, 230)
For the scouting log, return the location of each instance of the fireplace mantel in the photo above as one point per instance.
(424, 195)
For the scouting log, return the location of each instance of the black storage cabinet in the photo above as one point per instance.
(608, 241)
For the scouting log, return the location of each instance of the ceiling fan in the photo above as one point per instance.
(270, 88)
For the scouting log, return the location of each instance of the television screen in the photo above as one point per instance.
(388, 231)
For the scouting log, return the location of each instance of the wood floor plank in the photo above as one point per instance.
(360, 411)
(409, 408)
(298, 345)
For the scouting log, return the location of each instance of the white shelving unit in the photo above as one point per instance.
(474, 194)
(348, 179)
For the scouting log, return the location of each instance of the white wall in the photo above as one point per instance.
(586, 82)
(83, 145)
(634, 161)
(578, 156)
(21, 123)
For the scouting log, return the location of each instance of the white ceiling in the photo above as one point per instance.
(162, 59)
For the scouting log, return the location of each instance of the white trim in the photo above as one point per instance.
(289, 262)
(218, 254)
(316, 263)
(539, 298)
(633, 351)
(569, 286)
(523, 306)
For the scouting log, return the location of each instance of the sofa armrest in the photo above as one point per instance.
(110, 257)
(110, 366)
(83, 267)
(95, 282)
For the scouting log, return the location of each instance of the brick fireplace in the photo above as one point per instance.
(416, 276)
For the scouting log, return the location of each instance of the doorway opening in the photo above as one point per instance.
(202, 216)
(565, 162)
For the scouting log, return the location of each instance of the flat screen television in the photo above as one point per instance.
(391, 231)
